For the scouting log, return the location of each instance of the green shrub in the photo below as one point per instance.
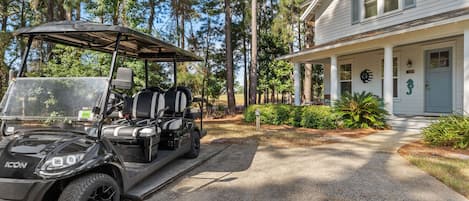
(250, 113)
(270, 114)
(361, 110)
(319, 117)
(296, 114)
(449, 131)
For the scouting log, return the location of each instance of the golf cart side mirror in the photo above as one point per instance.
(124, 79)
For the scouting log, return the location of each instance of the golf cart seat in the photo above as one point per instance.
(174, 124)
(178, 100)
(137, 137)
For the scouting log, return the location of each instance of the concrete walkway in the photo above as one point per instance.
(360, 169)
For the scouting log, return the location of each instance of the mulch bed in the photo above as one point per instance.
(423, 149)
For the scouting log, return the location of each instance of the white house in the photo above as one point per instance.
(413, 53)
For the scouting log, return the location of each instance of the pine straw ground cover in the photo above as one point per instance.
(235, 130)
(444, 163)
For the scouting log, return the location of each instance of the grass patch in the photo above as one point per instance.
(452, 171)
(223, 100)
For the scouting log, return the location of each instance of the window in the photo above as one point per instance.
(391, 5)
(355, 11)
(371, 8)
(395, 75)
(439, 59)
(345, 72)
(409, 3)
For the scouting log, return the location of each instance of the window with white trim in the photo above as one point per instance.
(345, 79)
(395, 76)
(375, 8)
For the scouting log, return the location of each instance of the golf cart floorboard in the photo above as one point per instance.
(134, 168)
(170, 172)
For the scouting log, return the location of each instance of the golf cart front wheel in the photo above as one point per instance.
(195, 145)
(92, 187)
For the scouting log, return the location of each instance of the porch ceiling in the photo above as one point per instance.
(429, 28)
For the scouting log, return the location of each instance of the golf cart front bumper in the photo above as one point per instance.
(23, 189)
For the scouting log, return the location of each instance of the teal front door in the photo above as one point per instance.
(438, 81)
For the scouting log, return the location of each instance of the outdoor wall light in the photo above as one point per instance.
(409, 63)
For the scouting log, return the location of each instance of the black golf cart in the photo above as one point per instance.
(84, 138)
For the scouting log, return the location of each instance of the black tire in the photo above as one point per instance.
(195, 146)
(91, 187)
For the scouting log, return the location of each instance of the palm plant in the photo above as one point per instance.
(361, 110)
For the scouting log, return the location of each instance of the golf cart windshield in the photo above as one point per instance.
(51, 99)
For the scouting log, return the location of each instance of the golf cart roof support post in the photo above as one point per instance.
(111, 75)
(146, 73)
(25, 56)
(175, 73)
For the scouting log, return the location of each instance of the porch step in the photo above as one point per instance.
(411, 123)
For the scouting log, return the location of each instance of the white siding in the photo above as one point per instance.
(405, 104)
(334, 19)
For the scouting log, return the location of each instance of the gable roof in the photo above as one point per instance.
(310, 9)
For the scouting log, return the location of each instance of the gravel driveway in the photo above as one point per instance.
(360, 169)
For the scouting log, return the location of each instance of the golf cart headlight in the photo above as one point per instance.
(61, 162)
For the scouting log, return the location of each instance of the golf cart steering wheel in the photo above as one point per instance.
(116, 102)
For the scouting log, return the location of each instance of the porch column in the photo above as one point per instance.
(334, 80)
(388, 79)
(466, 73)
(307, 82)
(297, 84)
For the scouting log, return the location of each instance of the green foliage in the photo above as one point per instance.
(449, 131)
(296, 114)
(320, 117)
(270, 114)
(361, 110)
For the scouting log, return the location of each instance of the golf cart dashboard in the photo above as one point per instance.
(11, 127)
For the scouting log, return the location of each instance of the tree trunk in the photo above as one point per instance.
(151, 19)
(5, 15)
(229, 60)
(272, 96)
(253, 70)
(50, 11)
(78, 11)
(245, 57)
(183, 29)
(115, 14)
(259, 95)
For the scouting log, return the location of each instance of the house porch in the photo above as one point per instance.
(399, 64)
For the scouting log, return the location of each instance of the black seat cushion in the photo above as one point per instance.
(177, 99)
(145, 105)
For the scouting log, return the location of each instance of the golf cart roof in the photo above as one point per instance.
(102, 38)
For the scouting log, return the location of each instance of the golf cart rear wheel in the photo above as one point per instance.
(195, 146)
(92, 187)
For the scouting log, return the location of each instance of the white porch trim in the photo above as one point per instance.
(297, 83)
(466, 72)
(334, 79)
(388, 85)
